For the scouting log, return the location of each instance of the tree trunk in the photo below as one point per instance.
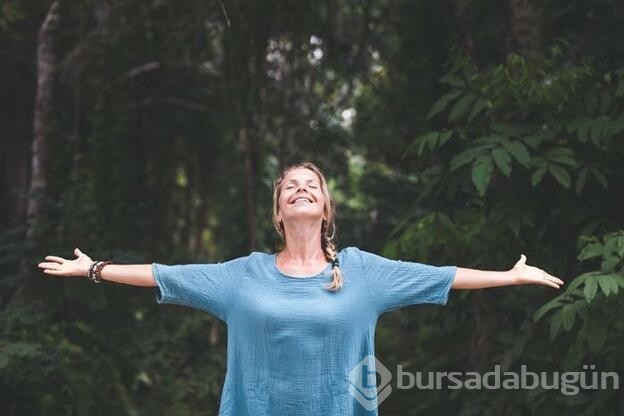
(46, 65)
(250, 173)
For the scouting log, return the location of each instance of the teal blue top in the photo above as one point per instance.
(291, 342)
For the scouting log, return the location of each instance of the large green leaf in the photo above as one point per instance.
(538, 175)
(590, 289)
(461, 107)
(502, 160)
(441, 104)
(561, 175)
(519, 152)
(482, 173)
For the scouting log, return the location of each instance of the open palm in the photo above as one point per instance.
(534, 275)
(58, 266)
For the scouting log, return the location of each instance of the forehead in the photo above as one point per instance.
(300, 175)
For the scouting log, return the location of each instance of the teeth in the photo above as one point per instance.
(301, 200)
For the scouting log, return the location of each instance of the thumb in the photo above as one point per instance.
(77, 252)
(522, 261)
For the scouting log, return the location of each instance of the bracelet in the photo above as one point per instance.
(91, 269)
(95, 271)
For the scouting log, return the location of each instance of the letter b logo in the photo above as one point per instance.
(363, 386)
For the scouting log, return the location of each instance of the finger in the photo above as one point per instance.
(548, 281)
(555, 279)
(53, 272)
(56, 259)
(77, 252)
(47, 265)
(553, 285)
(522, 259)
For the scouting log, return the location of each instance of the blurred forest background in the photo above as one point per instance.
(453, 132)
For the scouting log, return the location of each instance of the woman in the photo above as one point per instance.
(299, 321)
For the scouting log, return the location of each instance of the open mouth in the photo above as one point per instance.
(301, 201)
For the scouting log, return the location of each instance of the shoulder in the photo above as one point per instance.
(253, 262)
(349, 252)
(355, 252)
(350, 255)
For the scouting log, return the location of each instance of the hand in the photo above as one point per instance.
(59, 266)
(532, 275)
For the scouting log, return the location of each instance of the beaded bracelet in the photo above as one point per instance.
(95, 271)
(91, 269)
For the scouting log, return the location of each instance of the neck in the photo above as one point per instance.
(303, 245)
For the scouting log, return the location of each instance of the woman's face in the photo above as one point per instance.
(301, 196)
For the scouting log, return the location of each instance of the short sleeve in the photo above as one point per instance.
(395, 284)
(209, 287)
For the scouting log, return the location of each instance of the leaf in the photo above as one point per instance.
(590, 251)
(519, 152)
(454, 80)
(482, 173)
(605, 285)
(468, 156)
(590, 289)
(580, 280)
(561, 175)
(547, 307)
(429, 141)
(443, 102)
(461, 107)
(602, 179)
(568, 317)
(609, 263)
(555, 325)
(619, 245)
(609, 246)
(479, 106)
(563, 156)
(614, 283)
(581, 179)
(502, 160)
(538, 175)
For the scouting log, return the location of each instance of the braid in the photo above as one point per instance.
(329, 248)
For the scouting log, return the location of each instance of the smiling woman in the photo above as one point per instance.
(301, 192)
(299, 321)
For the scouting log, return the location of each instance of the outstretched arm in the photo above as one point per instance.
(128, 274)
(520, 274)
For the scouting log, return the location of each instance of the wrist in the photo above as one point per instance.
(95, 270)
(514, 276)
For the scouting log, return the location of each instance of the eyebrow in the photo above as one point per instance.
(306, 181)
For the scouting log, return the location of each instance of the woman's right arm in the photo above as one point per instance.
(127, 274)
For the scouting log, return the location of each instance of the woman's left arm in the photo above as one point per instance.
(520, 274)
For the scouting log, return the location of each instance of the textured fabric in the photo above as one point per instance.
(291, 342)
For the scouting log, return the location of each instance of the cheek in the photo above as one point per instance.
(281, 202)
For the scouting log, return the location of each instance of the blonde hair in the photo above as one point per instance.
(328, 227)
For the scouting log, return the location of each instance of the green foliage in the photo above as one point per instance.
(522, 158)
(589, 307)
